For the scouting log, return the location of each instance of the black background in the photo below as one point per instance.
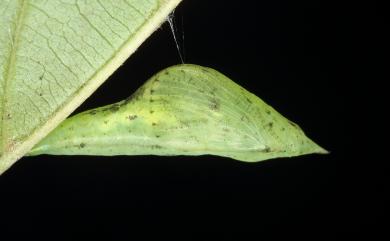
(293, 55)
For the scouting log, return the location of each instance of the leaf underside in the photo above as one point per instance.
(54, 54)
(182, 110)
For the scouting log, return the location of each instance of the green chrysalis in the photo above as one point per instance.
(182, 110)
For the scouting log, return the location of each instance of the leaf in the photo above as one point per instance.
(182, 110)
(54, 54)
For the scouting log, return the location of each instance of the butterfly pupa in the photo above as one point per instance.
(182, 110)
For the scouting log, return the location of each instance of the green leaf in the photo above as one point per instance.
(182, 110)
(54, 54)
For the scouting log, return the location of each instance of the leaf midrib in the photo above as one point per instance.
(10, 70)
(15, 151)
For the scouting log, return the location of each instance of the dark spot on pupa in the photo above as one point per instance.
(166, 73)
(249, 101)
(244, 118)
(225, 129)
(184, 124)
(268, 112)
(155, 146)
(114, 107)
(41, 77)
(267, 149)
(156, 80)
(270, 125)
(157, 136)
(82, 145)
(92, 112)
(154, 124)
(132, 117)
(105, 122)
(213, 90)
(151, 100)
(283, 129)
(151, 111)
(214, 105)
(40, 94)
(151, 91)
